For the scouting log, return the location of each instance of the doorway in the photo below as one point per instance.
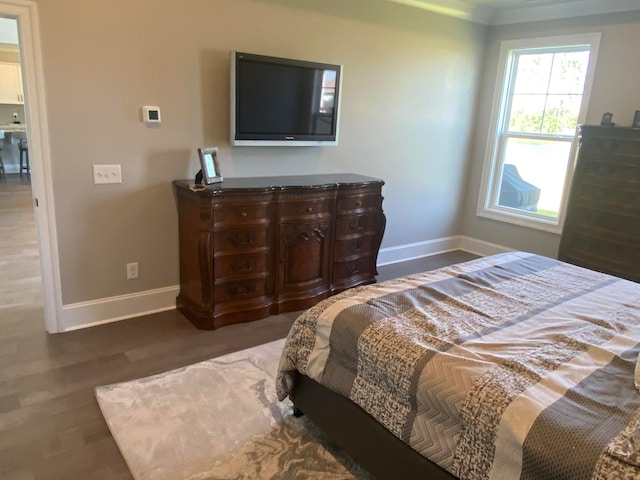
(40, 197)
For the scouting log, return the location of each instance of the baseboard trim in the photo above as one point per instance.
(122, 307)
(411, 251)
(112, 309)
(480, 247)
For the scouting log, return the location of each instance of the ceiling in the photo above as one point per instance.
(501, 12)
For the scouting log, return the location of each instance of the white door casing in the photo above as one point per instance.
(26, 14)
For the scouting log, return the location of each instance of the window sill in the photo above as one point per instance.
(514, 218)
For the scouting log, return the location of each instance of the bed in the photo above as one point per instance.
(508, 366)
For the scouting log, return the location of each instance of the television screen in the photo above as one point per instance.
(279, 101)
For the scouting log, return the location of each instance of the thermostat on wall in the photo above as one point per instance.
(150, 114)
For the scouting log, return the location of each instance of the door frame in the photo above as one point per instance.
(26, 14)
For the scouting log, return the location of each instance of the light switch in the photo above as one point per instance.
(107, 174)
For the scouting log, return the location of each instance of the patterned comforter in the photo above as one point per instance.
(511, 366)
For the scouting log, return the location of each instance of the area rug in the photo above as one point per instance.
(219, 420)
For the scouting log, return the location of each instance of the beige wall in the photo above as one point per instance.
(407, 105)
(615, 90)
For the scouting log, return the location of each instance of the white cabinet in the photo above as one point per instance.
(11, 83)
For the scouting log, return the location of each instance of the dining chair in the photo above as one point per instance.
(23, 147)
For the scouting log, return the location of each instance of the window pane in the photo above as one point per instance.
(533, 175)
(561, 114)
(533, 72)
(527, 112)
(568, 72)
(328, 91)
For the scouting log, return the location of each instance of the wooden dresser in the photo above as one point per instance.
(602, 226)
(254, 247)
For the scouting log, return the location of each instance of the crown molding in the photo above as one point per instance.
(513, 15)
(573, 9)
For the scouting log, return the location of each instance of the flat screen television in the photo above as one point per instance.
(283, 102)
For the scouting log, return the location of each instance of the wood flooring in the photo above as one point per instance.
(50, 423)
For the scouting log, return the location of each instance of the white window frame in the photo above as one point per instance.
(487, 201)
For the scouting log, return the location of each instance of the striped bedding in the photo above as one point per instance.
(510, 366)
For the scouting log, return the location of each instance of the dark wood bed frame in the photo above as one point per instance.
(370, 444)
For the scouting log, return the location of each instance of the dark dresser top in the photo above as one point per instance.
(283, 182)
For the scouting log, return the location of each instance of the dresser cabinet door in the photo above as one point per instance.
(304, 258)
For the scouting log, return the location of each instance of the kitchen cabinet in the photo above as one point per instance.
(11, 84)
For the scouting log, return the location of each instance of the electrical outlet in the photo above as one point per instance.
(107, 174)
(132, 271)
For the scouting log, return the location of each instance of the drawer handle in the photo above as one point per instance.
(241, 290)
(319, 233)
(353, 269)
(354, 247)
(356, 225)
(247, 267)
(309, 209)
(250, 237)
(243, 214)
(358, 203)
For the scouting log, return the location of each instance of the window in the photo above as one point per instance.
(537, 106)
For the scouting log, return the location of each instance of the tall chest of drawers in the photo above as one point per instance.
(602, 226)
(253, 247)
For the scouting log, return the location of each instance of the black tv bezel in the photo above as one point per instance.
(244, 139)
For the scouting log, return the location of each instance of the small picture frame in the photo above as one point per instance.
(636, 119)
(607, 120)
(209, 165)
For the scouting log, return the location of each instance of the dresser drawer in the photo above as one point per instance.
(355, 224)
(238, 265)
(354, 247)
(240, 240)
(355, 202)
(610, 173)
(607, 249)
(303, 208)
(606, 255)
(358, 267)
(240, 290)
(620, 199)
(240, 213)
(609, 224)
(611, 146)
